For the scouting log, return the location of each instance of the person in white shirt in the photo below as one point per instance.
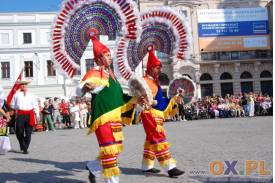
(83, 113)
(75, 112)
(24, 103)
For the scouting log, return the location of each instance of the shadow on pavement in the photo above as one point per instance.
(72, 166)
(41, 177)
(15, 151)
(205, 179)
(137, 171)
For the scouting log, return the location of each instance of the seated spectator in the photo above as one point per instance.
(214, 112)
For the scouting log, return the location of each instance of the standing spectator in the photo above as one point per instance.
(180, 102)
(64, 110)
(24, 103)
(47, 117)
(51, 109)
(75, 114)
(56, 113)
(83, 113)
(251, 104)
(39, 111)
(244, 104)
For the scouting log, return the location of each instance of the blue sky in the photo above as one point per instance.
(7, 6)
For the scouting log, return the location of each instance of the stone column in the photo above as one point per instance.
(197, 82)
(216, 84)
(236, 78)
(256, 77)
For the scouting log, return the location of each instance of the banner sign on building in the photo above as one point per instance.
(233, 29)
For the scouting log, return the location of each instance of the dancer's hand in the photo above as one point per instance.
(8, 118)
(88, 87)
(143, 101)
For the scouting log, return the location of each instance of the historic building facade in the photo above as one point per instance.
(25, 43)
(224, 71)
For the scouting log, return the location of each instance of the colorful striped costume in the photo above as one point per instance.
(109, 107)
(156, 145)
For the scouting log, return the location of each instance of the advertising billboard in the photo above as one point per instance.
(238, 29)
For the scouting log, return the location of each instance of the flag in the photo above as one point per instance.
(14, 88)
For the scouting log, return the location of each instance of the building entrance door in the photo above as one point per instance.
(247, 87)
(226, 88)
(206, 90)
(267, 87)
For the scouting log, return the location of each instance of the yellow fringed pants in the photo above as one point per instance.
(110, 137)
(159, 151)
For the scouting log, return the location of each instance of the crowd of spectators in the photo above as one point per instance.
(242, 105)
(57, 113)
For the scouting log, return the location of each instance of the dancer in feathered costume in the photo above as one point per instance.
(78, 22)
(108, 106)
(164, 30)
(153, 115)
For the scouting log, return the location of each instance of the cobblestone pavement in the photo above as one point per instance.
(61, 156)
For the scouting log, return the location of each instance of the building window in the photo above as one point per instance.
(224, 56)
(246, 75)
(205, 77)
(5, 70)
(89, 64)
(267, 88)
(50, 68)
(209, 56)
(226, 89)
(206, 90)
(235, 55)
(28, 68)
(4, 38)
(225, 76)
(266, 74)
(247, 55)
(27, 38)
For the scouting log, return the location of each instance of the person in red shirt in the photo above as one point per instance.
(64, 111)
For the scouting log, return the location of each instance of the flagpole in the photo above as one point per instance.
(14, 88)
